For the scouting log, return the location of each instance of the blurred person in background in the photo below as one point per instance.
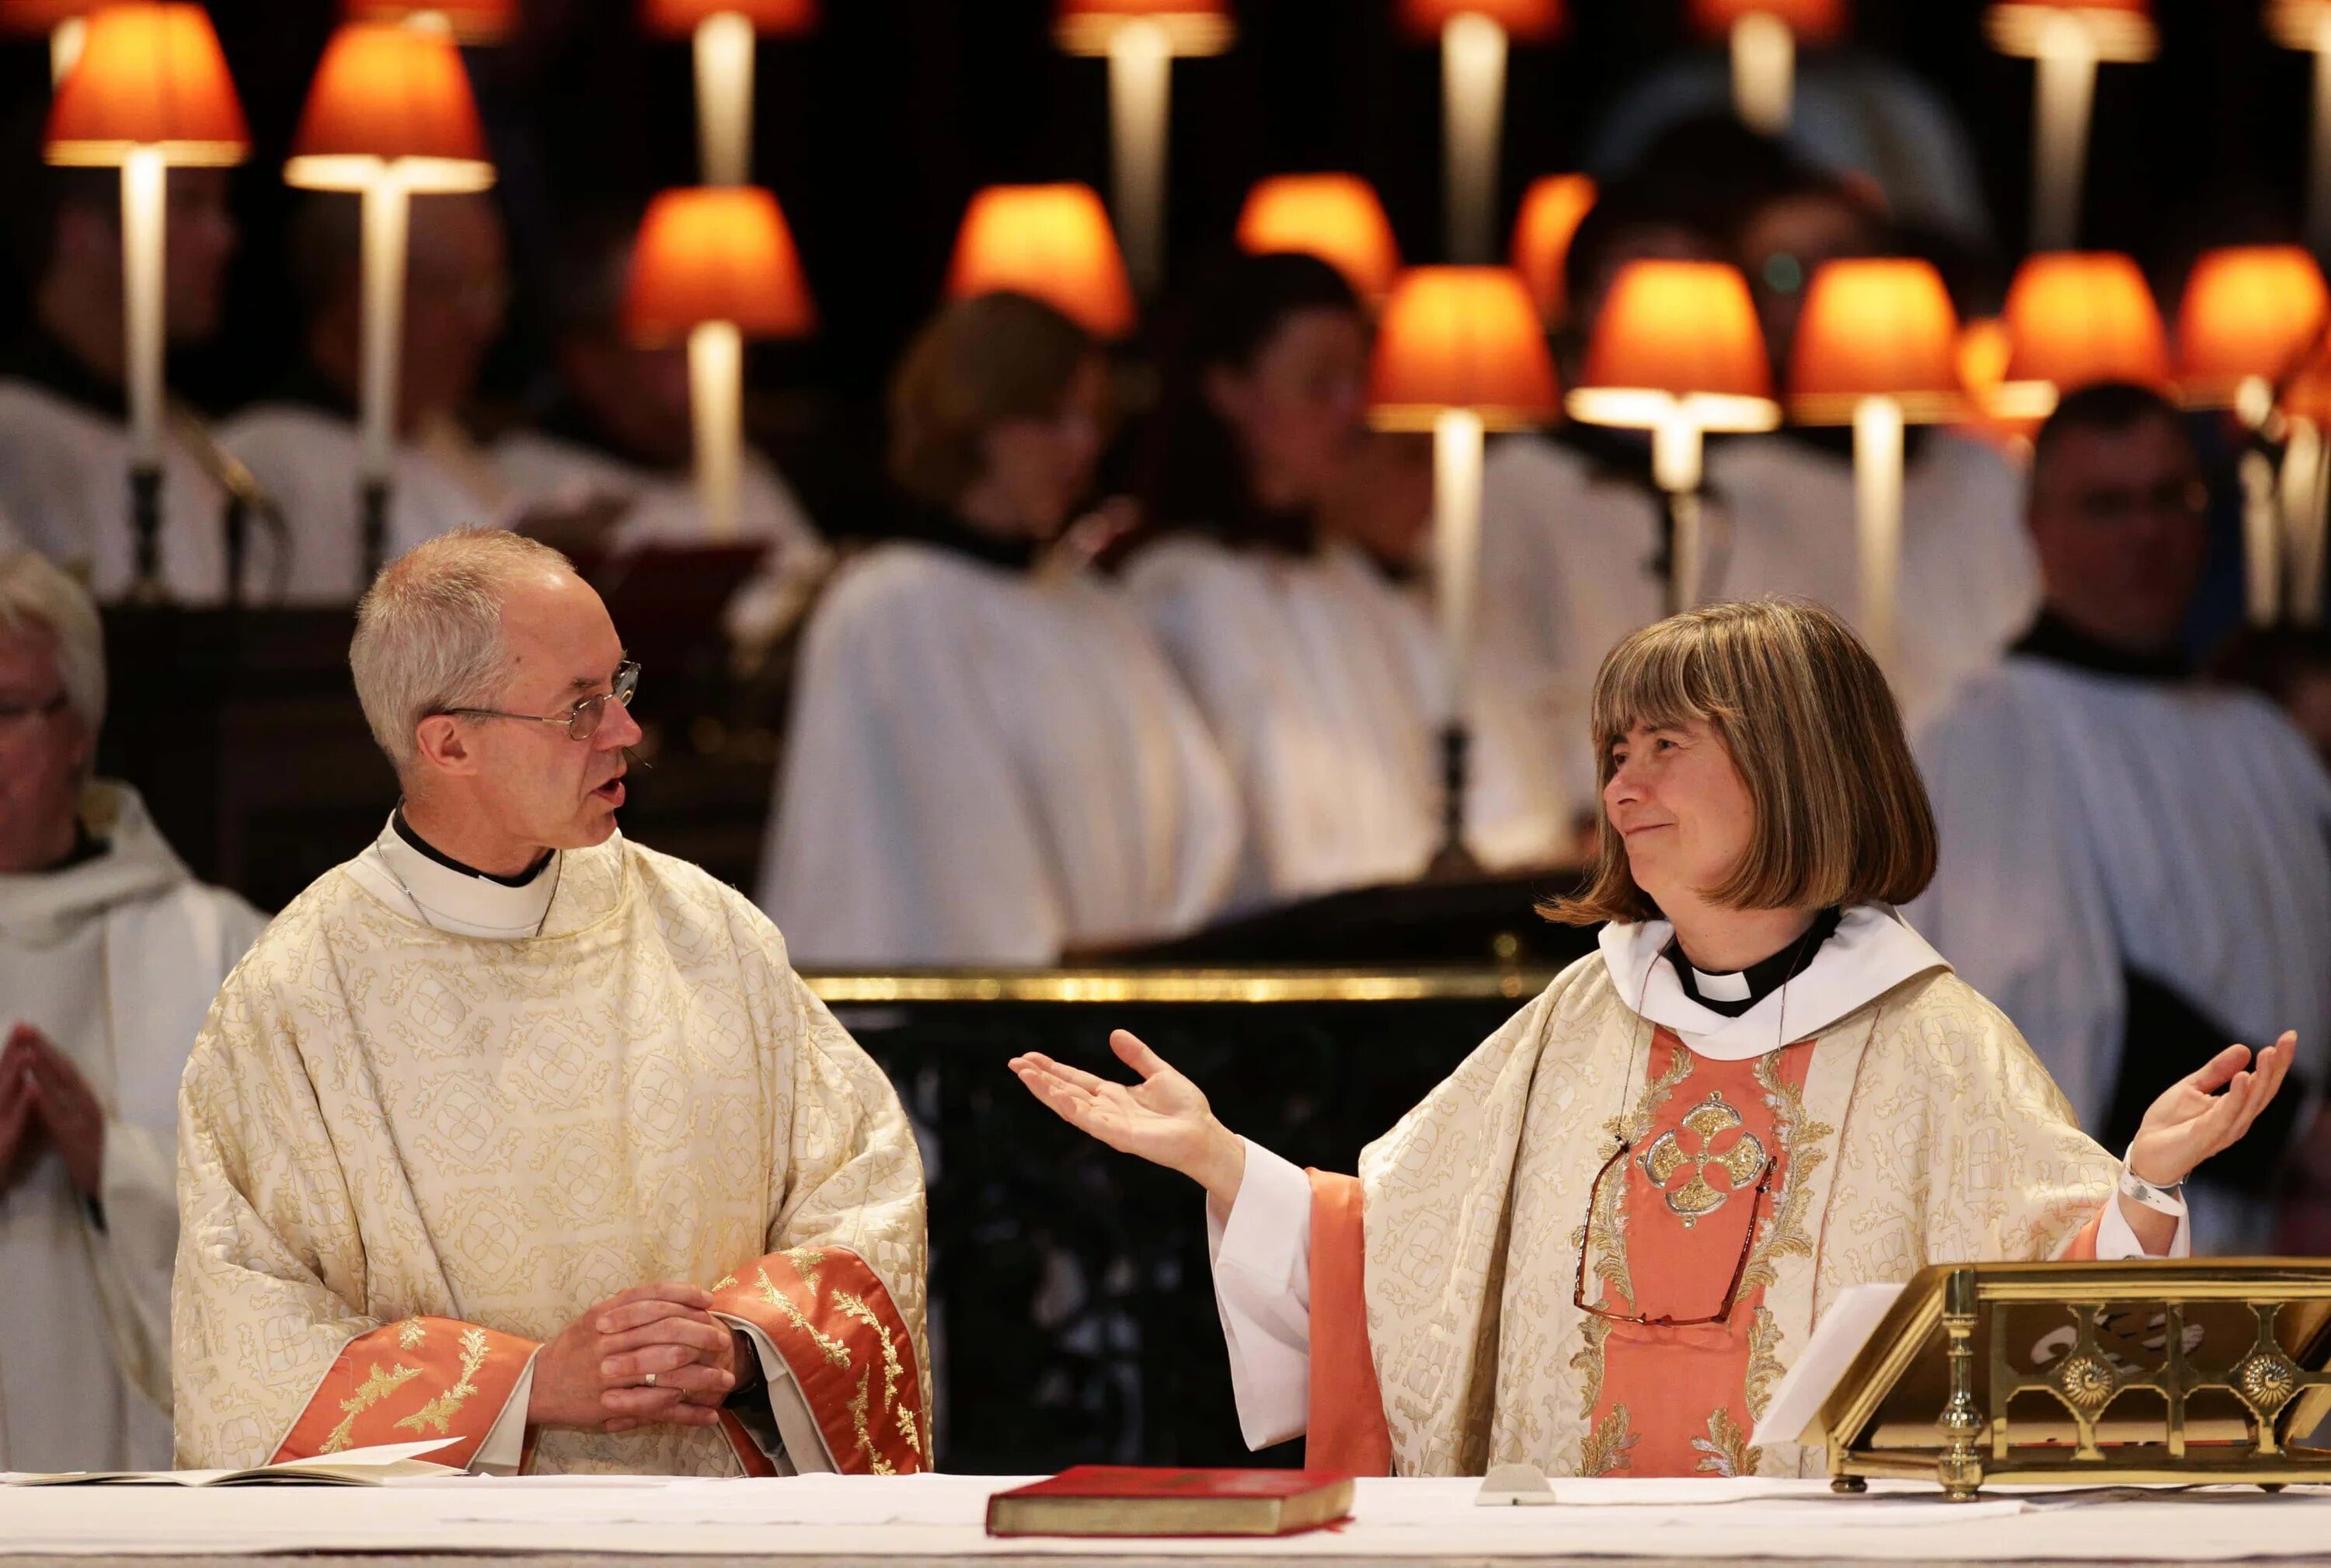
(1321, 674)
(615, 442)
(2291, 667)
(302, 440)
(109, 955)
(990, 762)
(2133, 862)
(64, 429)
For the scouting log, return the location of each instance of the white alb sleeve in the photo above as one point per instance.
(2116, 1240)
(1262, 1289)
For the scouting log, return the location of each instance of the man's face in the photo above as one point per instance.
(44, 750)
(2118, 518)
(533, 782)
(456, 291)
(200, 242)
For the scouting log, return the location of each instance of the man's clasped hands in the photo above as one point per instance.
(596, 1372)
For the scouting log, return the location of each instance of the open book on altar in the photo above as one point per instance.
(1837, 1339)
(373, 1467)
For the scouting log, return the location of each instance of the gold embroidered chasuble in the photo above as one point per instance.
(408, 1158)
(1917, 1129)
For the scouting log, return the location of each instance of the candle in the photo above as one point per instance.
(1878, 519)
(716, 378)
(2066, 63)
(1473, 104)
(1763, 71)
(388, 214)
(1140, 106)
(724, 97)
(144, 213)
(1457, 445)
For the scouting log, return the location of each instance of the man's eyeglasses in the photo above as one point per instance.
(1739, 1270)
(582, 719)
(13, 712)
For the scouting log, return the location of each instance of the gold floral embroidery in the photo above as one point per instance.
(1786, 1234)
(725, 1282)
(438, 1415)
(1765, 1367)
(1725, 1450)
(806, 1262)
(1588, 1364)
(1606, 1231)
(854, 1307)
(912, 1430)
(835, 1352)
(1698, 1198)
(874, 1462)
(410, 1333)
(369, 1393)
(1606, 1450)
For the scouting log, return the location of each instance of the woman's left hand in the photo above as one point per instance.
(2195, 1120)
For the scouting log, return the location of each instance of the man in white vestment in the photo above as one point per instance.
(617, 442)
(109, 955)
(515, 1133)
(302, 440)
(2132, 862)
(64, 434)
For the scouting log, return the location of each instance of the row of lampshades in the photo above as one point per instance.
(1462, 349)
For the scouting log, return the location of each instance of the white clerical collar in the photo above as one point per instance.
(1871, 953)
(462, 902)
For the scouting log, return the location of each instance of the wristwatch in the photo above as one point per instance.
(2169, 1200)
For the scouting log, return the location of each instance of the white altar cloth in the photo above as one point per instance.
(929, 1516)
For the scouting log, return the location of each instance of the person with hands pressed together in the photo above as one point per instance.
(110, 953)
(1599, 1244)
(512, 1132)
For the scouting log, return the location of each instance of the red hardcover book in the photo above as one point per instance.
(1128, 1500)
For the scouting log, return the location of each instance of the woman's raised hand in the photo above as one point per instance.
(2195, 1120)
(1164, 1119)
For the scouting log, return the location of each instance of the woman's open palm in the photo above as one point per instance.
(2209, 1110)
(1164, 1119)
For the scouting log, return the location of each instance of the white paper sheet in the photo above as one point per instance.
(1837, 1339)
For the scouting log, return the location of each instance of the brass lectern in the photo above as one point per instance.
(2194, 1371)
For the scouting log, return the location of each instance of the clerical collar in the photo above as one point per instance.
(1871, 951)
(40, 358)
(926, 525)
(2059, 642)
(458, 898)
(1735, 993)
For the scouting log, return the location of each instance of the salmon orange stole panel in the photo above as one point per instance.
(408, 1382)
(845, 1342)
(1347, 1432)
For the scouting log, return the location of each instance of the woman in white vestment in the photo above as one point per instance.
(990, 762)
(1598, 1246)
(1320, 673)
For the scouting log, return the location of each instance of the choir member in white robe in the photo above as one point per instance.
(2133, 863)
(109, 955)
(1599, 1245)
(512, 1132)
(302, 440)
(616, 439)
(1322, 676)
(64, 434)
(990, 761)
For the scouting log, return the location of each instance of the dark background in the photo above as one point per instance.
(874, 132)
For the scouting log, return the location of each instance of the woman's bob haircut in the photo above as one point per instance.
(1805, 713)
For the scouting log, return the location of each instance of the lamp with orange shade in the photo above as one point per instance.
(1763, 35)
(2066, 40)
(1474, 36)
(1140, 39)
(1459, 351)
(1552, 209)
(150, 90)
(713, 266)
(2248, 317)
(1050, 241)
(2073, 319)
(723, 34)
(2306, 25)
(1877, 347)
(1677, 351)
(1335, 217)
(466, 21)
(390, 117)
(65, 23)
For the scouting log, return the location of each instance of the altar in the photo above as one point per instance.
(930, 1519)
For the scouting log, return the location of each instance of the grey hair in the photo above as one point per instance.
(429, 629)
(36, 593)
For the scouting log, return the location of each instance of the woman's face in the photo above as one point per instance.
(1043, 468)
(1681, 808)
(1296, 409)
